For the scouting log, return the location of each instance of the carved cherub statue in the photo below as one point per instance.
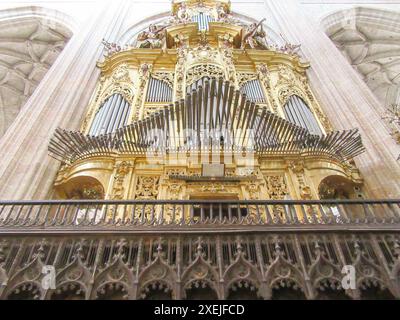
(254, 37)
(289, 48)
(151, 38)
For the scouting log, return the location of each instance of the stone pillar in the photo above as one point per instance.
(344, 97)
(60, 100)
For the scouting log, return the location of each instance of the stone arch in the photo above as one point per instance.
(332, 293)
(337, 187)
(115, 281)
(73, 280)
(200, 276)
(32, 38)
(27, 280)
(368, 38)
(81, 187)
(285, 276)
(243, 279)
(158, 276)
(287, 292)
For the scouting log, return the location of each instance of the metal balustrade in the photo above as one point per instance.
(210, 216)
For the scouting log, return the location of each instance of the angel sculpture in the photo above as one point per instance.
(255, 38)
(151, 38)
(289, 48)
(110, 47)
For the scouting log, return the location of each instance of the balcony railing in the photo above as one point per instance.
(198, 215)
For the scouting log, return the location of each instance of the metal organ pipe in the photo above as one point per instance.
(109, 112)
(202, 20)
(253, 90)
(298, 112)
(101, 115)
(158, 91)
(112, 115)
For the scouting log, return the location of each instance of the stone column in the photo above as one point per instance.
(60, 100)
(344, 97)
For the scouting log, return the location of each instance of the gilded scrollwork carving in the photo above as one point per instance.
(167, 77)
(147, 187)
(175, 190)
(243, 77)
(180, 71)
(276, 187)
(121, 170)
(144, 76)
(227, 57)
(264, 76)
(253, 189)
(153, 37)
(297, 168)
(203, 70)
(277, 190)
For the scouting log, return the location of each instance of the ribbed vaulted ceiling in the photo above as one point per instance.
(28, 48)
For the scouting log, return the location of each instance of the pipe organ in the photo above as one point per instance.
(235, 104)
